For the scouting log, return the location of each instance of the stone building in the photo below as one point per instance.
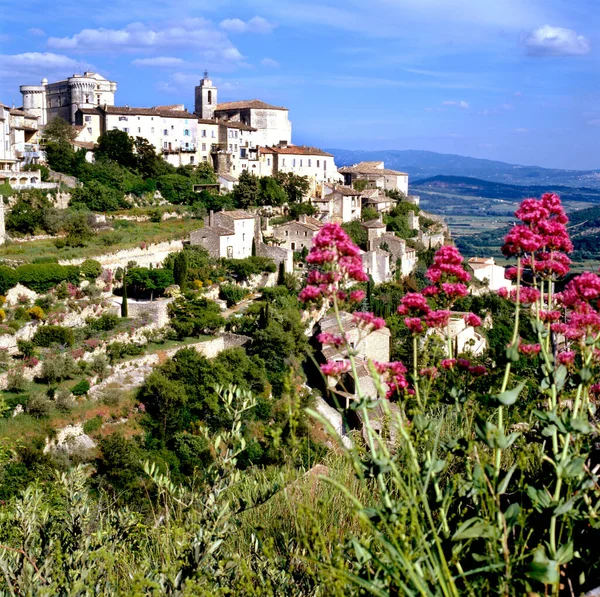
(402, 257)
(491, 275)
(378, 200)
(376, 176)
(64, 98)
(339, 203)
(463, 338)
(297, 235)
(378, 265)
(171, 129)
(226, 234)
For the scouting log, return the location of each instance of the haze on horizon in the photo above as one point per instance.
(515, 81)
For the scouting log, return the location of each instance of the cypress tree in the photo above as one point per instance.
(124, 310)
(180, 270)
(281, 274)
(369, 292)
(254, 247)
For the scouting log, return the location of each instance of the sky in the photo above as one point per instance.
(510, 80)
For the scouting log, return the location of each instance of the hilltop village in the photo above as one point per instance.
(133, 235)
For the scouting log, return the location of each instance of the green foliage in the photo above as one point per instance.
(369, 213)
(26, 348)
(38, 405)
(117, 146)
(296, 187)
(143, 282)
(97, 197)
(180, 270)
(58, 367)
(117, 351)
(41, 277)
(242, 269)
(357, 233)
(232, 293)
(78, 229)
(104, 323)
(81, 388)
(124, 305)
(195, 317)
(304, 208)
(177, 189)
(8, 278)
(43, 170)
(27, 214)
(92, 424)
(58, 129)
(91, 269)
(50, 335)
(247, 191)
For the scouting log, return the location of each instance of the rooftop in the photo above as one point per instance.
(237, 214)
(236, 125)
(373, 224)
(295, 150)
(370, 168)
(345, 191)
(245, 104)
(155, 111)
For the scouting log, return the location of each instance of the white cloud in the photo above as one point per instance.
(270, 63)
(555, 41)
(36, 31)
(254, 25)
(38, 61)
(459, 104)
(160, 61)
(194, 34)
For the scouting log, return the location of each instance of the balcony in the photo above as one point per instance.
(191, 148)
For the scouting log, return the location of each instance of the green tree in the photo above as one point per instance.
(304, 208)
(78, 229)
(124, 307)
(296, 187)
(357, 233)
(271, 192)
(91, 269)
(247, 192)
(177, 189)
(180, 270)
(58, 130)
(147, 162)
(27, 214)
(118, 146)
(97, 197)
(164, 400)
(281, 274)
(195, 317)
(369, 213)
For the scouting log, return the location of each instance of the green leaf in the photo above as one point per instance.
(564, 554)
(509, 397)
(504, 483)
(511, 515)
(542, 568)
(585, 374)
(560, 377)
(564, 507)
(473, 528)
(512, 353)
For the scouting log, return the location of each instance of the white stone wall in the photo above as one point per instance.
(153, 255)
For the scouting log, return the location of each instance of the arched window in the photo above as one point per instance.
(210, 97)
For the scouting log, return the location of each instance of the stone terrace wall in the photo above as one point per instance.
(153, 255)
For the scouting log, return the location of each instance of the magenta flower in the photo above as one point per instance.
(472, 320)
(415, 325)
(413, 303)
(368, 321)
(567, 357)
(335, 368)
(529, 349)
(437, 319)
(448, 364)
(357, 296)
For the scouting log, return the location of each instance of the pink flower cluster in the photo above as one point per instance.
(368, 321)
(394, 375)
(529, 349)
(527, 295)
(464, 364)
(337, 263)
(448, 275)
(331, 340)
(542, 239)
(335, 368)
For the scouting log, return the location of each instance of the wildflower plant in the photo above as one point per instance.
(461, 503)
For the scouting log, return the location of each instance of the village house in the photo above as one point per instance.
(375, 175)
(463, 338)
(378, 265)
(370, 347)
(488, 273)
(226, 234)
(401, 256)
(297, 234)
(377, 199)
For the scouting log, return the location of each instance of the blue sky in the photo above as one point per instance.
(514, 80)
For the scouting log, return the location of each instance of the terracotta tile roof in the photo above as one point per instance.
(373, 224)
(369, 168)
(315, 227)
(346, 191)
(94, 111)
(156, 111)
(245, 104)
(220, 230)
(227, 177)
(295, 150)
(237, 214)
(207, 121)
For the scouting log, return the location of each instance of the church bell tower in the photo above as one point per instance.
(205, 98)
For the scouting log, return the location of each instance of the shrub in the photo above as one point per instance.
(120, 350)
(92, 424)
(38, 405)
(104, 323)
(60, 243)
(99, 365)
(91, 269)
(41, 277)
(92, 291)
(45, 302)
(47, 335)
(57, 368)
(36, 313)
(232, 293)
(63, 400)
(15, 381)
(112, 396)
(81, 388)
(26, 348)
(242, 269)
(8, 278)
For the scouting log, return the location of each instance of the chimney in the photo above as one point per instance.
(283, 144)
(211, 217)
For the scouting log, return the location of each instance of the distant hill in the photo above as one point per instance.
(425, 164)
(475, 187)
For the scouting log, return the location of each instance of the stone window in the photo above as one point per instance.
(88, 118)
(191, 159)
(166, 132)
(204, 132)
(122, 118)
(213, 134)
(204, 159)
(309, 163)
(139, 129)
(152, 130)
(209, 97)
(186, 133)
(294, 162)
(203, 146)
(318, 164)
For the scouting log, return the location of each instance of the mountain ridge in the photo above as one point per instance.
(421, 164)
